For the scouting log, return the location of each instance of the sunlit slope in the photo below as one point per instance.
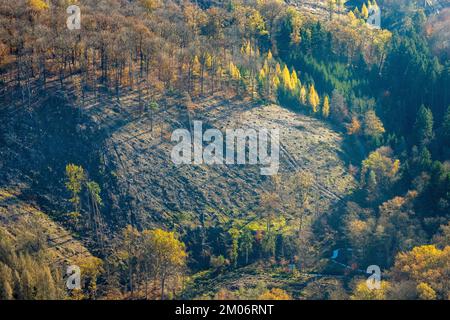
(27, 226)
(156, 191)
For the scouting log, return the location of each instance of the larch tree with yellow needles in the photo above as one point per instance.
(326, 107)
(314, 99)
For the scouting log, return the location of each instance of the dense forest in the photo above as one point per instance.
(385, 91)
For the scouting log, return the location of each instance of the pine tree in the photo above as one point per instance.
(75, 180)
(246, 243)
(425, 159)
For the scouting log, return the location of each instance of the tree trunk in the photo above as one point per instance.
(163, 282)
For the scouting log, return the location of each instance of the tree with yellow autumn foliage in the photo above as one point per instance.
(150, 255)
(38, 5)
(373, 127)
(363, 292)
(364, 12)
(151, 5)
(313, 99)
(326, 107)
(427, 266)
(235, 75)
(303, 95)
(168, 255)
(275, 294)
(354, 127)
(379, 171)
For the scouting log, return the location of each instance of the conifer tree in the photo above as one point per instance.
(446, 125)
(364, 12)
(424, 126)
(313, 98)
(246, 243)
(275, 82)
(303, 95)
(235, 75)
(278, 69)
(295, 82)
(196, 66)
(351, 16)
(234, 234)
(326, 107)
(75, 180)
(286, 76)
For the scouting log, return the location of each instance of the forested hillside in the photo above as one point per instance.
(86, 124)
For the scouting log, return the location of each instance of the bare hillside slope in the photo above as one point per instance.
(157, 191)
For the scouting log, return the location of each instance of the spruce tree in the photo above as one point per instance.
(424, 126)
